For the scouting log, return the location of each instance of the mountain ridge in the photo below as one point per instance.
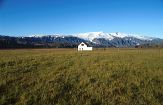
(94, 39)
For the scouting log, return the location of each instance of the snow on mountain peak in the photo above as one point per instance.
(120, 35)
(92, 35)
(109, 36)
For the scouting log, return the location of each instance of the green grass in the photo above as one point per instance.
(69, 77)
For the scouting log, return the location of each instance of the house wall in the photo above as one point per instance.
(88, 48)
(80, 48)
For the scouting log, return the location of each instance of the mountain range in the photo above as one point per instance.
(95, 39)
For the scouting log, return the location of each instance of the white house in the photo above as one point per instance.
(83, 47)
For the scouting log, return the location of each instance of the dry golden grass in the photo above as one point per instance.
(69, 77)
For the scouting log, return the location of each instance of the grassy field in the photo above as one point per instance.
(69, 77)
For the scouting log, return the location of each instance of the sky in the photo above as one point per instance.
(31, 17)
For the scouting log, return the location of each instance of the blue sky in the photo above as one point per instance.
(28, 17)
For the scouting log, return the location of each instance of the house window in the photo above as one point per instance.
(82, 44)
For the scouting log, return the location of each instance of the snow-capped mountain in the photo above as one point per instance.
(92, 35)
(117, 39)
(95, 39)
(110, 36)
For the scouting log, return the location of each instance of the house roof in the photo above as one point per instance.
(83, 43)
